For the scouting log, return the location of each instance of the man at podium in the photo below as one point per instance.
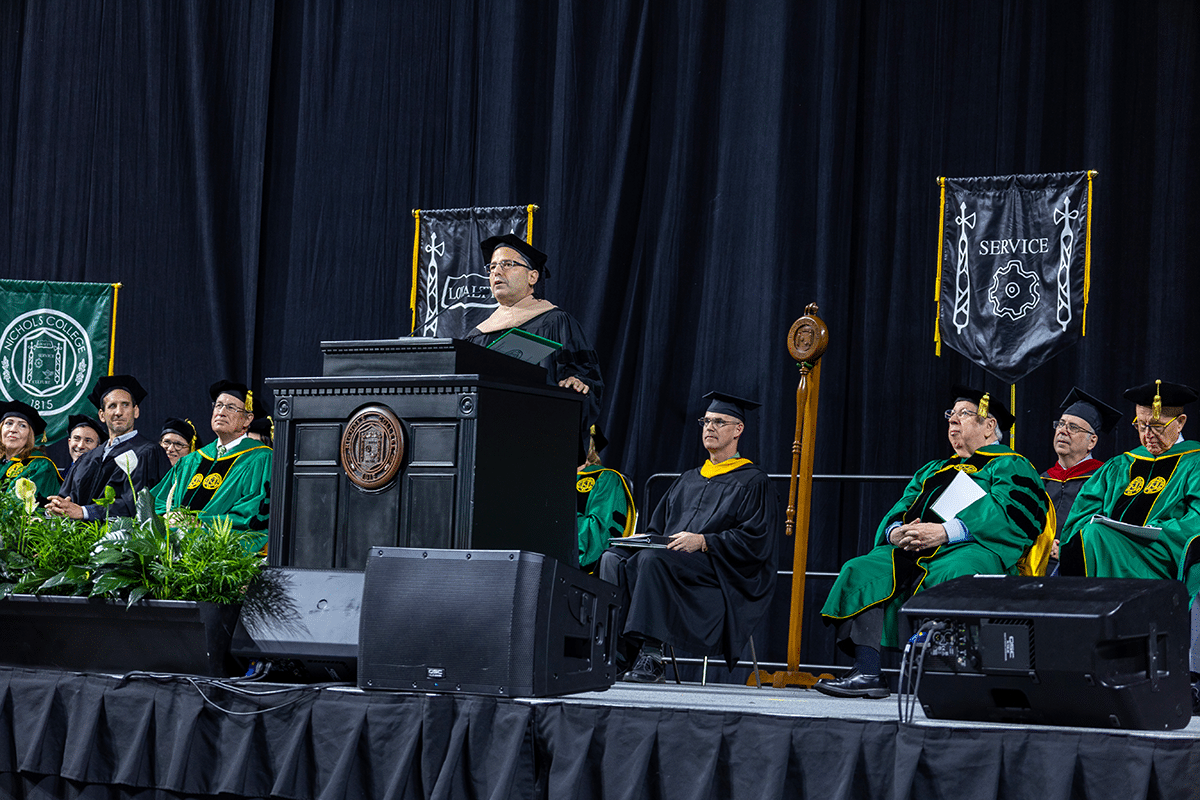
(517, 272)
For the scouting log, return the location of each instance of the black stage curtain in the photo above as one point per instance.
(77, 737)
(705, 169)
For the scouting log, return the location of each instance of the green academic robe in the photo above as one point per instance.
(1146, 490)
(36, 468)
(236, 485)
(604, 509)
(1002, 524)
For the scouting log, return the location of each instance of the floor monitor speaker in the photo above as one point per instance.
(1095, 652)
(304, 622)
(495, 622)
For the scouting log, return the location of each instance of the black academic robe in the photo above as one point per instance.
(701, 602)
(92, 472)
(576, 359)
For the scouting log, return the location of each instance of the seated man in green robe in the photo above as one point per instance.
(229, 477)
(604, 507)
(914, 550)
(1156, 486)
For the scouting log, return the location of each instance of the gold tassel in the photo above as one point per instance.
(250, 401)
(272, 421)
(1157, 410)
(983, 404)
(192, 444)
(529, 209)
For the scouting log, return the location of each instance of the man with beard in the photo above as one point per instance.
(117, 397)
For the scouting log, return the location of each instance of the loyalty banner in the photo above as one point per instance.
(56, 341)
(450, 292)
(1013, 262)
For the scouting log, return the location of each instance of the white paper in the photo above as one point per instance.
(1147, 533)
(962, 492)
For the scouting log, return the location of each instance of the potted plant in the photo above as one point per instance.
(156, 592)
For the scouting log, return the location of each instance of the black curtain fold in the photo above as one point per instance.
(704, 171)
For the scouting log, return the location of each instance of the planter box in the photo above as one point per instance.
(93, 635)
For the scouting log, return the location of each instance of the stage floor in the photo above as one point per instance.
(64, 734)
(806, 703)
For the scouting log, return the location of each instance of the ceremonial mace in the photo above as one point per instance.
(806, 342)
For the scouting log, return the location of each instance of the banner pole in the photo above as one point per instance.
(112, 340)
(412, 297)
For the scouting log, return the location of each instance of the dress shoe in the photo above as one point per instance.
(647, 670)
(854, 684)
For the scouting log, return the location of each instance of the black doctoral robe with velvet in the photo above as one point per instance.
(92, 472)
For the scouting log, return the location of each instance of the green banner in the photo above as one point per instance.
(54, 345)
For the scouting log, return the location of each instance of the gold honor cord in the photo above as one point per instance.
(412, 297)
(937, 286)
(112, 341)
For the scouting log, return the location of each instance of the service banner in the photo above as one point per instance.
(450, 291)
(1013, 268)
(56, 342)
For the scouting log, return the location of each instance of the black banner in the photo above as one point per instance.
(450, 293)
(1013, 263)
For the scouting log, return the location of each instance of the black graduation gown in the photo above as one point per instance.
(576, 359)
(92, 472)
(705, 602)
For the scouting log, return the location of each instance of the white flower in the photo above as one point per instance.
(127, 461)
(26, 490)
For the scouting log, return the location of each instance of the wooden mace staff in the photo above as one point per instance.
(807, 341)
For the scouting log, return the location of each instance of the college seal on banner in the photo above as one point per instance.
(372, 447)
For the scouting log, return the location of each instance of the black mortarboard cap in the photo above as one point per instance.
(995, 406)
(730, 404)
(15, 408)
(1171, 394)
(76, 420)
(536, 258)
(110, 382)
(263, 424)
(181, 426)
(1100, 415)
(238, 390)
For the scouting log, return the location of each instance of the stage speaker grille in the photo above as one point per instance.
(496, 622)
(1094, 652)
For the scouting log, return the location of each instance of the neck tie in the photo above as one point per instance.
(221, 450)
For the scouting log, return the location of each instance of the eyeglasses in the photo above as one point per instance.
(1071, 427)
(959, 416)
(1156, 428)
(226, 407)
(503, 266)
(716, 423)
(167, 444)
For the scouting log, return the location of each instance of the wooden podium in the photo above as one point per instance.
(421, 442)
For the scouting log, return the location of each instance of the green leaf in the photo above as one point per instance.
(112, 583)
